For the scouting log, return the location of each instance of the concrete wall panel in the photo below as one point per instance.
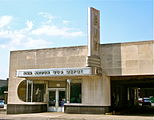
(133, 58)
(96, 91)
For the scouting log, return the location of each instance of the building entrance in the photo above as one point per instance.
(132, 94)
(56, 99)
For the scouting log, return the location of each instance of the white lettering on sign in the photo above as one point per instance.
(54, 72)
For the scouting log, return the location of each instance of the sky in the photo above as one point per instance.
(35, 24)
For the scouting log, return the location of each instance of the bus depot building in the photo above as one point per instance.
(81, 79)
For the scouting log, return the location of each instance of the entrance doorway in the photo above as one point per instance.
(132, 94)
(56, 99)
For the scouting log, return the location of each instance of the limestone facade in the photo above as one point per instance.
(119, 59)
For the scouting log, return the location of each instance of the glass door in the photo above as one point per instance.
(61, 100)
(56, 100)
(52, 101)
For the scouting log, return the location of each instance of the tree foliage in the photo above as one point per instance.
(2, 89)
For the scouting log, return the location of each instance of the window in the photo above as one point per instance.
(75, 91)
(32, 91)
(38, 92)
(22, 90)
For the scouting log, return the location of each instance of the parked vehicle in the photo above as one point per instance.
(1, 103)
(144, 101)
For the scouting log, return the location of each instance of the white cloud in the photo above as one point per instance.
(65, 21)
(5, 20)
(57, 31)
(29, 25)
(21, 40)
(48, 16)
(3, 46)
(34, 37)
(37, 43)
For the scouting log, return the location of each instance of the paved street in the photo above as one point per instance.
(63, 116)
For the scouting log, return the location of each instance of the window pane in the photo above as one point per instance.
(31, 91)
(52, 98)
(22, 90)
(38, 92)
(75, 93)
(61, 98)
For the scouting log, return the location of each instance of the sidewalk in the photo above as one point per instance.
(64, 116)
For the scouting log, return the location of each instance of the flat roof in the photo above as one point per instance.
(134, 42)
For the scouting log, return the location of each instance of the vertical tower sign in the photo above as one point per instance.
(93, 32)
